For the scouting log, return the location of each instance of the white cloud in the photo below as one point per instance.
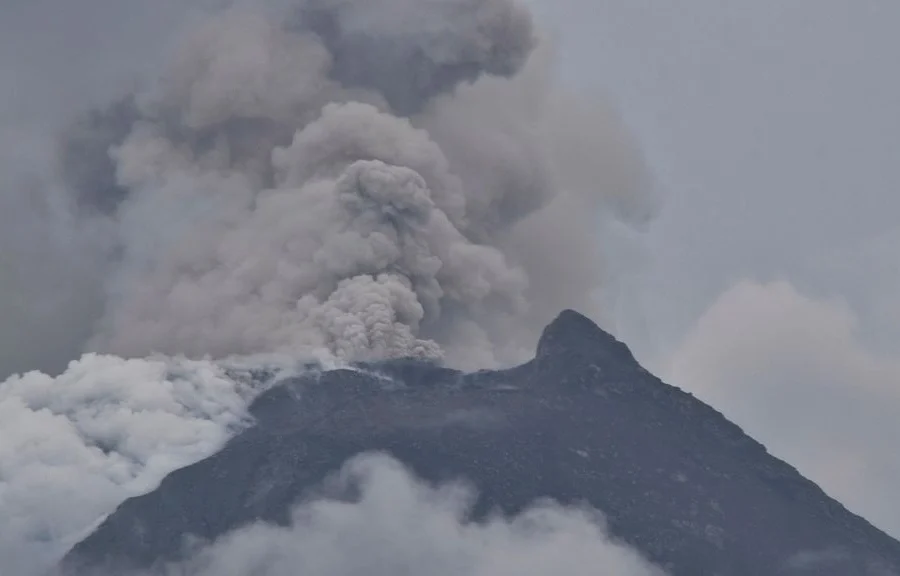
(72, 448)
(793, 372)
(402, 526)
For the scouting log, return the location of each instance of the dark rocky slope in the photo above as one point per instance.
(581, 422)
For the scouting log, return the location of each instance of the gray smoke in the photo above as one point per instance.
(358, 178)
(411, 50)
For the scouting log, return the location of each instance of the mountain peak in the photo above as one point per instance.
(573, 331)
(675, 480)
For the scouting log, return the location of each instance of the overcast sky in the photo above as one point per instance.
(772, 130)
(771, 283)
(772, 287)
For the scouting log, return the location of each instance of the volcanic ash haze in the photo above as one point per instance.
(366, 179)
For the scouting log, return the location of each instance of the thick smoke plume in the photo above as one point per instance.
(365, 179)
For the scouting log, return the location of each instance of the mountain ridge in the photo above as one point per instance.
(582, 421)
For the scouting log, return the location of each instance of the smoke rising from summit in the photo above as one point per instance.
(359, 179)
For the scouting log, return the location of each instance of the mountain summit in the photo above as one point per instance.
(574, 332)
(581, 423)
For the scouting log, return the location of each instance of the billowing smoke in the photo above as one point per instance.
(73, 447)
(409, 51)
(370, 179)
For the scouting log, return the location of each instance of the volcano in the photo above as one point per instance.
(582, 424)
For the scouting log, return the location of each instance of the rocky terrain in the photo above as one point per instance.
(582, 422)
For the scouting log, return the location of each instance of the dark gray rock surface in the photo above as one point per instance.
(582, 422)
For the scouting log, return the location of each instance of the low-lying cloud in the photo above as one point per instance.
(72, 448)
(401, 525)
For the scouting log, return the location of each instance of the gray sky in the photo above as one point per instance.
(771, 130)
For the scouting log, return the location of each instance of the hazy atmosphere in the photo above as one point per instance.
(187, 185)
(770, 282)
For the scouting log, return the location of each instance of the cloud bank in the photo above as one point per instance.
(401, 525)
(73, 447)
(792, 370)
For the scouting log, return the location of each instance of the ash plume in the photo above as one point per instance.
(357, 178)
(409, 51)
(347, 180)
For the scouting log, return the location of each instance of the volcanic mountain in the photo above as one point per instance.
(582, 422)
